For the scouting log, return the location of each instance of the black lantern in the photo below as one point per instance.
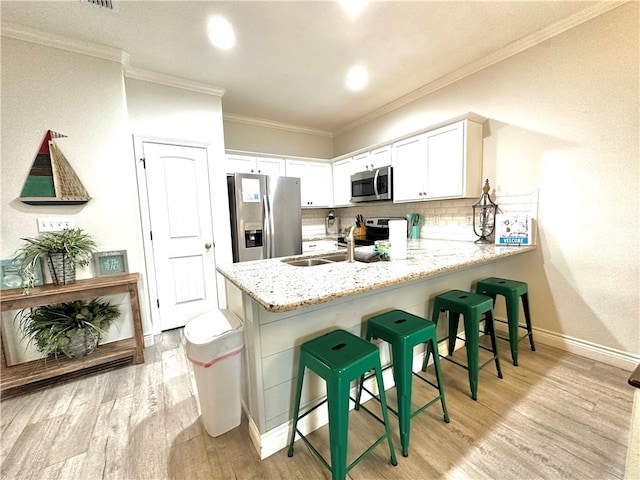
(484, 215)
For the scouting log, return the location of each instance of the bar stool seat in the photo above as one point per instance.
(339, 357)
(471, 306)
(403, 331)
(512, 291)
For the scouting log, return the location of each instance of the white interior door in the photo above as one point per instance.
(181, 231)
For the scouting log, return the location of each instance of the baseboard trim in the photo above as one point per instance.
(610, 356)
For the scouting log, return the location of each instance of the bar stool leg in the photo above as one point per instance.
(454, 320)
(338, 395)
(433, 344)
(471, 344)
(494, 343)
(385, 414)
(403, 376)
(435, 316)
(513, 320)
(527, 317)
(296, 406)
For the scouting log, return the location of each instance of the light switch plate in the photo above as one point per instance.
(54, 224)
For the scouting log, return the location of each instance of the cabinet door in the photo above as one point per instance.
(241, 164)
(319, 184)
(270, 166)
(298, 168)
(410, 169)
(342, 171)
(380, 157)
(445, 162)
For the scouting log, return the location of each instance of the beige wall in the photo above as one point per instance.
(81, 97)
(275, 140)
(187, 117)
(563, 117)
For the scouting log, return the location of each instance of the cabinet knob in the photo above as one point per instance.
(207, 246)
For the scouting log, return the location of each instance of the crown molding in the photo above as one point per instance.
(26, 34)
(171, 81)
(260, 122)
(508, 51)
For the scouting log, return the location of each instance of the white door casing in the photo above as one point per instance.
(180, 254)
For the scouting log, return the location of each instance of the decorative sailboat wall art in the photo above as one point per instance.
(51, 180)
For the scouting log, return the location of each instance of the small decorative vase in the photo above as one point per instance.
(62, 272)
(81, 344)
(415, 231)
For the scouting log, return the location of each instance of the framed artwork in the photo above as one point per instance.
(111, 263)
(12, 275)
(513, 229)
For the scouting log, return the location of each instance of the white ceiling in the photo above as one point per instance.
(291, 58)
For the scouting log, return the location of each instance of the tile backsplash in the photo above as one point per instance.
(446, 219)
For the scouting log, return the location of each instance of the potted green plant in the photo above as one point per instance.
(73, 328)
(63, 252)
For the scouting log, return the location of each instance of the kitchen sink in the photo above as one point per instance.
(307, 262)
(310, 262)
(336, 257)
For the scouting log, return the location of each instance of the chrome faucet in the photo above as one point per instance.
(351, 252)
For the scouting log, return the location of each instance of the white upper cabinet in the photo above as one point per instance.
(442, 163)
(342, 171)
(251, 164)
(409, 169)
(380, 157)
(316, 186)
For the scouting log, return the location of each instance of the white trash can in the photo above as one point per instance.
(214, 347)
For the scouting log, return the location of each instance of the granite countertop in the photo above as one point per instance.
(279, 287)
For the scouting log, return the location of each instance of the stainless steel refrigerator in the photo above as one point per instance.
(266, 218)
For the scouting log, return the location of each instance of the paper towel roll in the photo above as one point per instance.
(398, 239)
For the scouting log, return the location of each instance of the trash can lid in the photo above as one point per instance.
(206, 327)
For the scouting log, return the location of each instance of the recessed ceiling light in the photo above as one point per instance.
(357, 77)
(221, 33)
(354, 7)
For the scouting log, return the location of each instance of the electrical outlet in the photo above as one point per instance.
(469, 220)
(57, 224)
(436, 219)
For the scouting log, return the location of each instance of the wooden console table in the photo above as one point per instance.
(12, 378)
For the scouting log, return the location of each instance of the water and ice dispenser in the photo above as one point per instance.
(252, 234)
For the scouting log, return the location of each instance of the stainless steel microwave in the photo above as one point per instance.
(371, 185)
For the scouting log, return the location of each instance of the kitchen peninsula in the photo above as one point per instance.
(283, 306)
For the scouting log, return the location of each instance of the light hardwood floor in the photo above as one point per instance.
(557, 415)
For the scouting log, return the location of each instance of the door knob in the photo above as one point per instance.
(207, 246)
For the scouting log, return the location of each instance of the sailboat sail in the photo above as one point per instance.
(51, 180)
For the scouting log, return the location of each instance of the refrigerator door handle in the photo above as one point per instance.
(268, 227)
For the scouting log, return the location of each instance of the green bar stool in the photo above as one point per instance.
(403, 331)
(512, 291)
(339, 357)
(471, 306)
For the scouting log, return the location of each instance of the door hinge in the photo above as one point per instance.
(144, 163)
(158, 302)
(151, 236)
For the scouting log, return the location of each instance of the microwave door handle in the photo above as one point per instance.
(375, 183)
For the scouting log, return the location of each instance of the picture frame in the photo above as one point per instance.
(11, 275)
(109, 263)
(513, 228)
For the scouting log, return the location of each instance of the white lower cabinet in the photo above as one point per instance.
(313, 246)
(442, 163)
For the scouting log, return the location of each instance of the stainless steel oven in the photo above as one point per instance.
(371, 185)
(375, 228)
